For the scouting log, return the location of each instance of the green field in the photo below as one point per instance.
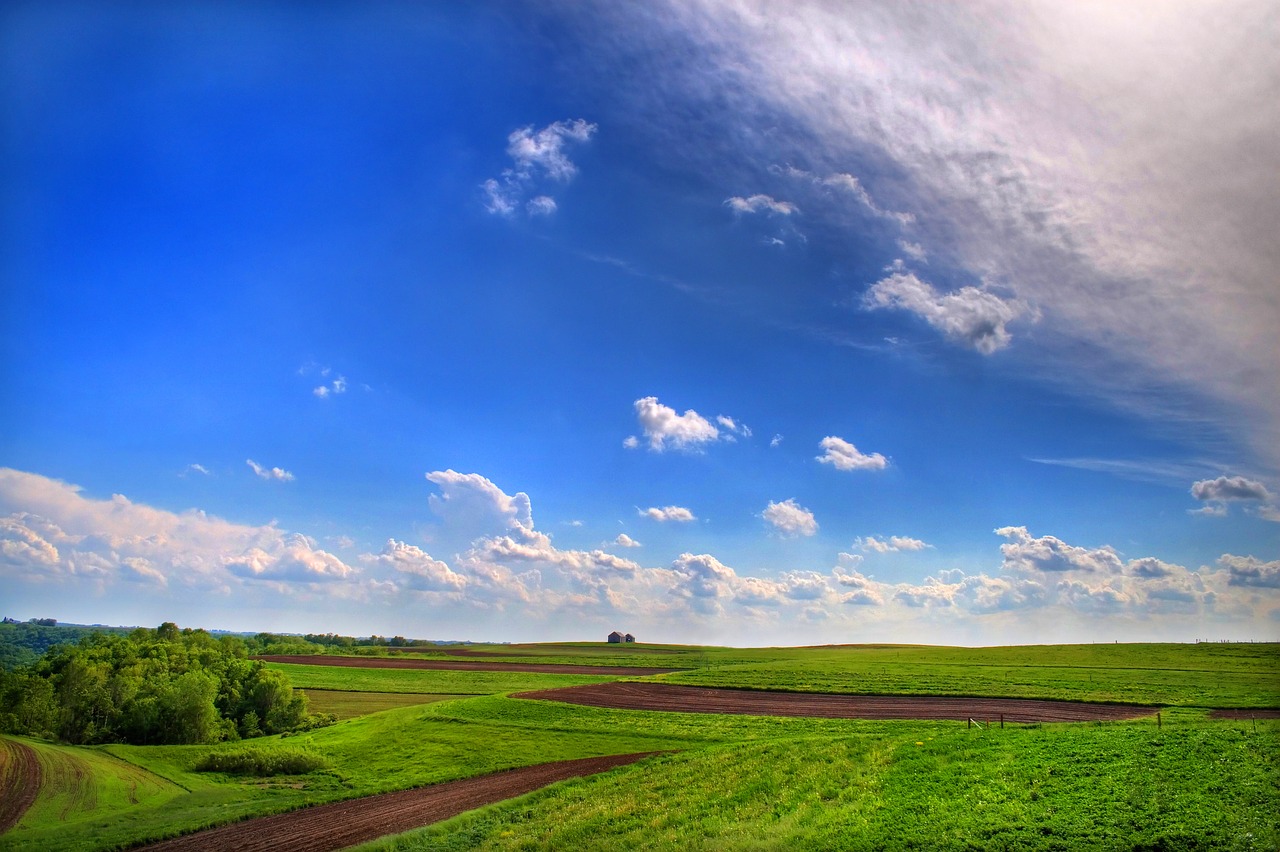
(740, 782)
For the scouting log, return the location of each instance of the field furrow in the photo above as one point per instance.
(19, 781)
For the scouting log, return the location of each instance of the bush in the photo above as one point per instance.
(262, 762)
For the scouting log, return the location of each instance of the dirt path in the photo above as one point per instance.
(694, 699)
(464, 665)
(19, 781)
(341, 824)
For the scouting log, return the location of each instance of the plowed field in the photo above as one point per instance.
(696, 699)
(19, 781)
(464, 665)
(341, 824)
(1264, 713)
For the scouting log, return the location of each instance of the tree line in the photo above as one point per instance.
(151, 687)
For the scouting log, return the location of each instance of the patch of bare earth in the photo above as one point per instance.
(19, 781)
(341, 824)
(695, 699)
(463, 665)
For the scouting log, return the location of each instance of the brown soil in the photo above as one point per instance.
(1260, 713)
(463, 665)
(341, 824)
(19, 781)
(694, 699)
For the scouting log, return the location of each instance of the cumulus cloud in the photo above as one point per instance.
(666, 429)
(1251, 571)
(275, 474)
(843, 455)
(54, 533)
(416, 568)
(1229, 488)
(624, 540)
(892, 544)
(970, 316)
(732, 428)
(470, 502)
(1027, 555)
(758, 203)
(667, 513)
(536, 155)
(790, 518)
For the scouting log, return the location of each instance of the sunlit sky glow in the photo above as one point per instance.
(713, 321)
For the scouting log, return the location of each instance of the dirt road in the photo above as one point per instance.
(694, 699)
(463, 665)
(19, 781)
(341, 824)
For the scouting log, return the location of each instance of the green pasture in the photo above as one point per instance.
(1026, 788)
(741, 782)
(1205, 675)
(348, 705)
(426, 681)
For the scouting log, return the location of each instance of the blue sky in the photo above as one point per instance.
(708, 321)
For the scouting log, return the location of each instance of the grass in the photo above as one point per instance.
(426, 681)
(1208, 675)
(1042, 788)
(742, 782)
(348, 705)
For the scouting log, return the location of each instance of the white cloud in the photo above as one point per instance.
(790, 518)
(849, 185)
(53, 533)
(893, 544)
(1026, 555)
(915, 251)
(275, 474)
(667, 429)
(733, 428)
(416, 568)
(624, 540)
(668, 513)
(758, 203)
(1229, 488)
(536, 155)
(970, 316)
(843, 455)
(1251, 571)
(543, 205)
(470, 504)
(775, 441)
(195, 468)
(1037, 138)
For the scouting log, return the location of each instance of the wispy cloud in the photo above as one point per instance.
(275, 474)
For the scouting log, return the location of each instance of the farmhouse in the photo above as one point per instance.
(615, 638)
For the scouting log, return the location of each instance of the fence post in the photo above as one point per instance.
(1157, 721)
(1002, 721)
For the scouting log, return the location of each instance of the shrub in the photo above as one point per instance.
(262, 762)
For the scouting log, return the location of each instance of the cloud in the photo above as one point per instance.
(843, 455)
(849, 185)
(893, 544)
(915, 251)
(1026, 555)
(543, 205)
(969, 316)
(1251, 571)
(1229, 488)
(536, 155)
(624, 540)
(775, 441)
(469, 504)
(195, 468)
(665, 429)
(275, 474)
(733, 428)
(1037, 141)
(337, 386)
(758, 203)
(668, 513)
(416, 568)
(790, 518)
(53, 533)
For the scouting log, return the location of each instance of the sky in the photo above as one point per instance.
(711, 321)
